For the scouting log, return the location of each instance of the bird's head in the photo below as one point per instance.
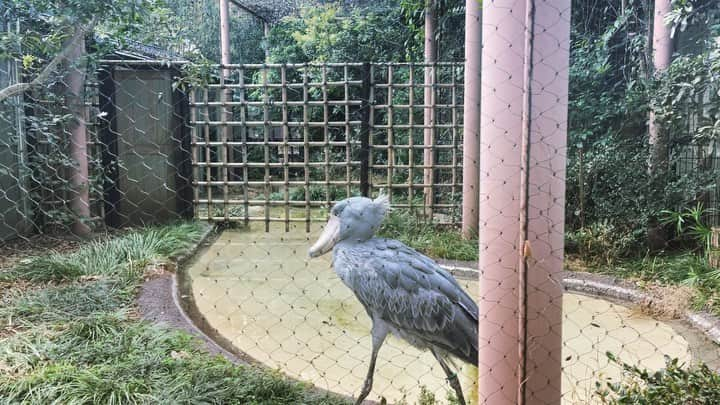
(355, 218)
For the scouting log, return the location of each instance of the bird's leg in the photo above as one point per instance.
(451, 377)
(379, 332)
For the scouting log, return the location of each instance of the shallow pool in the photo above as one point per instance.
(261, 292)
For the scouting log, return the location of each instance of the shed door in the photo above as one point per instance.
(146, 146)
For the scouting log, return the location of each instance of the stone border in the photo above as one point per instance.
(161, 300)
(604, 286)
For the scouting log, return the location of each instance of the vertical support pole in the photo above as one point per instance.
(266, 145)
(225, 94)
(522, 188)
(411, 134)
(429, 111)
(454, 150)
(306, 142)
(243, 147)
(224, 35)
(326, 134)
(285, 137)
(266, 34)
(79, 178)
(662, 49)
(194, 140)
(471, 117)
(390, 134)
(208, 157)
(348, 143)
(224, 131)
(365, 117)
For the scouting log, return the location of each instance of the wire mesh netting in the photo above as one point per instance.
(265, 151)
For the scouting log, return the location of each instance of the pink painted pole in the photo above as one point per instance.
(522, 195)
(225, 94)
(662, 48)
(471, 125)
(79, 177)
(225, 35)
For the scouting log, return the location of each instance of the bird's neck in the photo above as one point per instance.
(348, 256)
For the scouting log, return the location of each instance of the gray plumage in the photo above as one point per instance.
(403, 291)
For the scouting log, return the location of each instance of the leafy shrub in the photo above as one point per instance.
(602, 242)
(316, 193)
(434, 241)
(674, 384)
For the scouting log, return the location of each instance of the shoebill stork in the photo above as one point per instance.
(405, 293)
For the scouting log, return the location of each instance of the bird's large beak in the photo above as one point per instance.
(327, 239)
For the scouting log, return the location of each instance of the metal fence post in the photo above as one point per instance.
(365, 132)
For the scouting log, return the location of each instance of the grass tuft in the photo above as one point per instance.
(124, 256)
(75, 343)
(138, 363)
(434, 241)
(63, 303)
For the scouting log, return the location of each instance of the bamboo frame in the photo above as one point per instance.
(291, 100)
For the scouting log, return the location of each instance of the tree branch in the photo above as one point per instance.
(43, 76)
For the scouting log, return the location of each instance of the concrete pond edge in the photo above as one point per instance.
(171, 291)
(183, 313)
(603, 286)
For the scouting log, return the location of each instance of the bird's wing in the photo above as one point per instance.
(414, 294)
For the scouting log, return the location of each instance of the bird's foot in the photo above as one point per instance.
(367, 387)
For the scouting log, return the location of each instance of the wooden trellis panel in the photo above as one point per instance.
(288, 140)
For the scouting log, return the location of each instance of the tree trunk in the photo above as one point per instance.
(79, 179)
(662, 49)
(266, 36)
(429, 99)
(471, 128)
(662, 56)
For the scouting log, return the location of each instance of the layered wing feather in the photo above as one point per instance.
(415, 295)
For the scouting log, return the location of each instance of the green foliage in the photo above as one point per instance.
(61, 303)
(112, 360)
(316, 193)
(123, 256)
(77, 343)
(602, 243)
(443, 243)
(611, 94)
(450, 32)
(690, 222)
(675, 384)
(329, 33)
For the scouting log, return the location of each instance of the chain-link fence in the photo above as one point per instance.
(270, 149)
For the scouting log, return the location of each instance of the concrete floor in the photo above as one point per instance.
(260, 291)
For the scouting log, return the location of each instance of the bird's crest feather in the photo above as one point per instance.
(382, 202)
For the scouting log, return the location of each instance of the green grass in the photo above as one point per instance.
(434, 241)
(123, 256)
(110, 360)
(686, 269)
(62, 303)
(75, 343)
